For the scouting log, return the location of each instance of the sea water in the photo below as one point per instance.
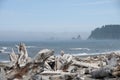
(73, 47)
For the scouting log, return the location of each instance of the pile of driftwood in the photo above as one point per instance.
(46, 66)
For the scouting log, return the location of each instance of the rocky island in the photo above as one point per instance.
(106, 32)
(77, 38)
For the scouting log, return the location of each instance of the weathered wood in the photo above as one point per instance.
(101, 72)
(43, 55)
(84, 64)
(116, 71)
(63, 67)
(63, 62)
(22, 61)
(13, 58)
(2, 74)
(51, 73)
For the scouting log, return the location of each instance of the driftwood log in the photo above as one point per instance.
(86, 65)
(101, 72)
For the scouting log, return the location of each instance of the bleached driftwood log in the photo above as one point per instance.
(116, 71)
(60, 63)
(26, 68)
(101, 72)
(68, 57)
(63, 62)
(2, 74)
(47, 66)
(51, 72)
(112, 61)
(51, 62)
(84, 64)
(110, 69)
(64, 76)
(23, 55)
(13, 58)
(43, 55)
(51, 59)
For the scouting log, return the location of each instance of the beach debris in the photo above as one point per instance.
(116, 71)
(51, 62)
(2, 74)
(34, 67)
(72, 69)
(43, 55)
(23, 57)
(47, 66)
(63, 76)
(63, 62)
(85, 65)
(13, 58)
(111, 60)
(101, 72)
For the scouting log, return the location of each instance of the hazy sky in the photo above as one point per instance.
(56, 16)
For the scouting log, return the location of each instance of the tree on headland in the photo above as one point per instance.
(106, 32)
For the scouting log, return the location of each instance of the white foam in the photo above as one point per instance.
(6, 52)
(80, 54)
(115, 51)
(5, 61)
(4, 48)
(26, 46)
(80, 49)
(83, 54)
(31, 46)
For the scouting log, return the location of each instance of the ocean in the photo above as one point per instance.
(73, 47)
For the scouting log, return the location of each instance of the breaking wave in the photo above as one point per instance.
(31, 46)
(80, 54)
(4, 48)
(80, 49)
(85, 54)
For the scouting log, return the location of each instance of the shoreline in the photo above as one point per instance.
(62, 67)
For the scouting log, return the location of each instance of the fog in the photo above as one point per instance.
(40, 36)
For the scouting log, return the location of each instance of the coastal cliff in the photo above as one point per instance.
(106, 32)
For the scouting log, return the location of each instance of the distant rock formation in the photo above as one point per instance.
(77, 38)
(106, 32)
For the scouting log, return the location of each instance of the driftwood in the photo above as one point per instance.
(22, 60)
(68, 57)
(2, 74)
(72, 69)
(111, 61)
(35, 67)
(86, 65)
(13, 58)
(60, 63)
(47, 67)
(63, 67)
(101, 72)
(22, 65)
(59, 75)
(43, 55)
(51, 73)
(116, 71)
(63, 62)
